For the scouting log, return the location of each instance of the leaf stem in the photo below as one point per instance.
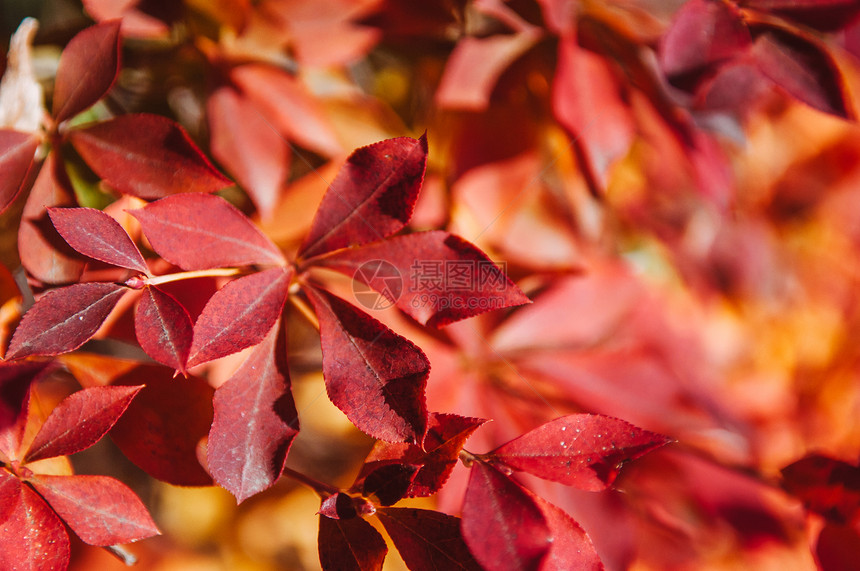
(320, 488)
(305, 310)
(216, 272)
(120, 553)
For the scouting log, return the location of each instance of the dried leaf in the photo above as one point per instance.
(350, 545)
(581, 450)
(503, 526)
(32, 537)
(64, 319)
(239, 315)
(100, 510)
(372, 197)
(373, 375)
(17, 159)
(435, 277)
(21, 105)
(147, 156)
(80, 421)
(201, 231)
(427, 540)
(255, 423)
(163, 328)
(95, 234)
(88, 67)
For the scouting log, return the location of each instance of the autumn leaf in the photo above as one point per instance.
(582, 450)
(17, 158)
(163, 328)
(147, 156)
(199, 231)
(350, 545)
(87, 69)
(96, 235)
(64, 319)
(427, 540)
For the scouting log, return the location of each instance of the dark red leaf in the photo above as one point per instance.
(704, 34)
(581, 450)
(245, 144)
(100, 510)
(825, 15)
(503, 526)
(12, 437)
(350, 545)
(255, 423)
(804, 70)
(95, 234)
(163, 328)
(201, 231)
(17, 158)
(372, 197)
(80, 421)
(43, 252)
(389, 483)
(588, 102)
(343, 506)
(837, 548)
(427, 540)
(239, 315)
(162, 428)
(373, 375)
(826, 486)
(571, 547)
(147, 156)
(32, 537)
(64, 319)
(15, 380)
(435, 277)
(87, 69)
(10, 492)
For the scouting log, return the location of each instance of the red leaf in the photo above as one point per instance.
(826, 486)
(32, 537)
(87, 69)
(43, 252)
(441, 278)
(373, 375)
(15, 380)
(99, 509)
(389, 483)
(427, 540)
(80, 421)
(446, 435)
(704, 34)
(837, 548)
(350, 545)
(475, 65)
(163, 328)
(825, 15)
(804, 70)
(571, 547)
(64, 319)
(502, 525)
(163, 426)
(372, 197)
(95, 234)
(292, 109)
(17, 157)
(244, 143)
(587, 101)
(239, 315)
(255, 423)
(201, 231)
(581, 450)
(147, 156)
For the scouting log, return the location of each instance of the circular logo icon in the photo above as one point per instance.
(377, 284)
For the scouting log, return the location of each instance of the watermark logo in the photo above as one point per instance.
(387, 284)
